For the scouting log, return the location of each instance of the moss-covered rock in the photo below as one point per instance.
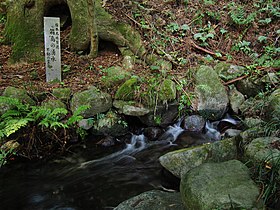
(212, 95)
(126, 90)
(167, 90)
(114, 76)
(228, 71)
(63, 94)
(130, 108)
(19, 94)
(53, 104)
(179, 162)
(97, 101)
(222, 186)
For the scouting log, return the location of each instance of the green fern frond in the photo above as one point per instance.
(59, 111)
(14, 125)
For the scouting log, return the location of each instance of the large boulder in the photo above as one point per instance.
(222, 186)
(97, 101)
(153, 200)
(181, 161)
(212, 95)
(227, 71)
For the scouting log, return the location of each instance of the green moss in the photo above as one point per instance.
(167, 90)
(126, 91)
(115, 75)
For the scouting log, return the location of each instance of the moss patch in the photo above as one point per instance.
(126, 91)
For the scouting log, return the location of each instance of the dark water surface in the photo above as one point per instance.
(86, 180)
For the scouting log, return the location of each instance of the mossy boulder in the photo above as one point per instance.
(235, 99)
(63, 94)
(19, 94)
(153, 200)
(53, 104)
(167, 90)
(228, 71)
(130, 108)
(127, 90)
(179, 162)
(115, 75)
(97, 101)
(211, 94)
(225, 185)
(273, 108)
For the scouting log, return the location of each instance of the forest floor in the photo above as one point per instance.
(187, 34)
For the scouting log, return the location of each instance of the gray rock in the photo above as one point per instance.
(128, 62)
(167, 91)
(181, 161)
(236, 99)
(194, 123)
(231, 133)
(273, 108)
(228, 71)
(261, 149)
(224, 185)
(130, 108)
(115, 75)
(212, 96)
(249, 87)
(165, 115)
(153, 200)
(97, 100)
(53, 104)
(85, 124)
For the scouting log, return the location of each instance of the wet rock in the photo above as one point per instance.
(231, 133)
(212, 95)
(225, 185)
(153, 200)
(97, 101)
(107, 141)
(188, 138)
(153, 133)
(110, 124)
(165, 115)
(194, 123)
(181, 161)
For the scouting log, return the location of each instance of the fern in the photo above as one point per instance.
(14, 125)
(76, 117)
(239, 16)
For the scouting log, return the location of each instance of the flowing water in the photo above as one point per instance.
(89, 179)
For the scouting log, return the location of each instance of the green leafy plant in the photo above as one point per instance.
(240, 16)
(204, 34)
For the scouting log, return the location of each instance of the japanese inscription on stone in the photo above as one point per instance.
(52, 48)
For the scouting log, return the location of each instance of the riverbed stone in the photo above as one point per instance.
(97, 101)
(211, 94)
(19, 94)
(165, 115)
(153, 200)
(110, 124)
(250, 87)
(181, 161)
(273, 108)
(225, 185)
(130, 108)
(194, 123)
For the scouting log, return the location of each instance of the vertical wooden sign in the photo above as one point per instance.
(52, 48)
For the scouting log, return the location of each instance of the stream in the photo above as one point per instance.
(90, 179)
(87, 179)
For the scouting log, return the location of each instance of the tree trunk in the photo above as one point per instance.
(93, 29)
